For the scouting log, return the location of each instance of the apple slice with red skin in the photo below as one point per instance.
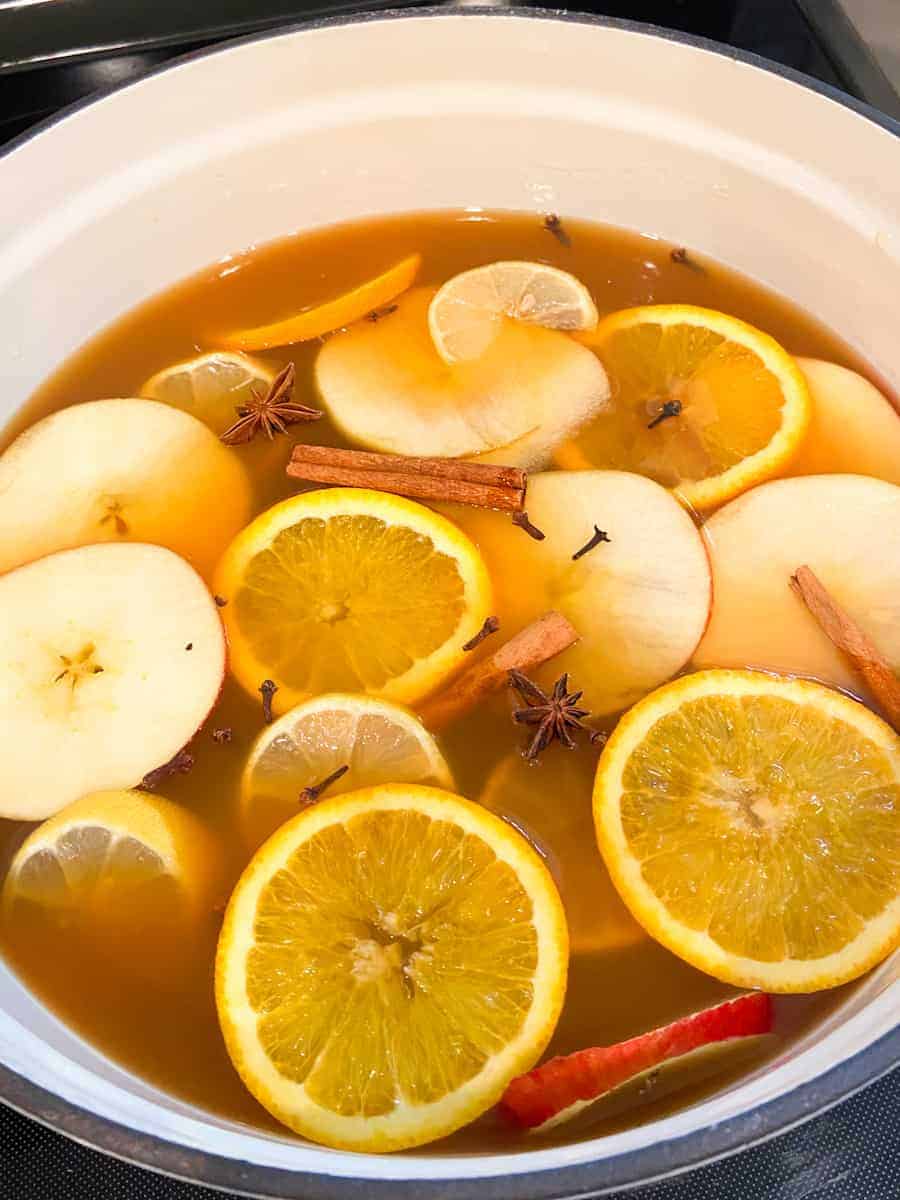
(565, 1087)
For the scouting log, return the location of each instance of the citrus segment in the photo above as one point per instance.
(468, 311)
(345, 589)
(701, 402)
(333, 314)
(369, 935)
(752, 825)
(379, 743)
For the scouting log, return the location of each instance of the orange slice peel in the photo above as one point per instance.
(333, 314)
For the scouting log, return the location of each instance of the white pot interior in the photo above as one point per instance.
(138, 190)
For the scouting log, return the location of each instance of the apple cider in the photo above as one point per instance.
(664, 445)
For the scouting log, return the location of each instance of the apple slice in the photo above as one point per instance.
(550, 802)
(387, 388)
(639, 600)
(854, 428)
(120, 470)
(847, 529)
(589, 1081)
(111, 657)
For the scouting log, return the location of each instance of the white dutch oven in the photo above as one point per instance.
(765, 171)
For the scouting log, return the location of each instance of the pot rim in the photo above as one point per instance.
(748, 57)
(624, 1170)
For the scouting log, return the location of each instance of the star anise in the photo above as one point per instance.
(557, 715)
(272, 412)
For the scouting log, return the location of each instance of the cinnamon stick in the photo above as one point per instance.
(857, 647)
(450, 479)
(546, 637)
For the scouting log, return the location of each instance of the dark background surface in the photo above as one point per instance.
(59, 51)
(851, 1153)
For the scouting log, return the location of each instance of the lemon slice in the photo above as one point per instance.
(752, 825)
(389, 960)
(379, 743)
(468, 311)
(334, 314)
(212, 386)
(345, 589)
(131, 873)
(701, 402)
(550, 802)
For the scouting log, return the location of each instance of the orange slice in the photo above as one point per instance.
(333, 314)
(389, 961)
(701, 402)
(350, 590)
(752, 825)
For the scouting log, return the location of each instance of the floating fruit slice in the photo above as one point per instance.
(120, 470)
(370, 935)
(111, 657)
(737, 403)
(595, 1083)
(468, 311)
(854, 428)
(386, 387)
(334, 314)
(846, 528)
(350, 590)
(550, 801)
(379, 743)
(640, 600)
(113, 860)
(212, 386)
(752, 825)
(121, 873)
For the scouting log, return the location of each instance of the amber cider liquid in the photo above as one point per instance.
(162, 1026)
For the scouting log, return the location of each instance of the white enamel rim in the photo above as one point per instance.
(69, 199)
